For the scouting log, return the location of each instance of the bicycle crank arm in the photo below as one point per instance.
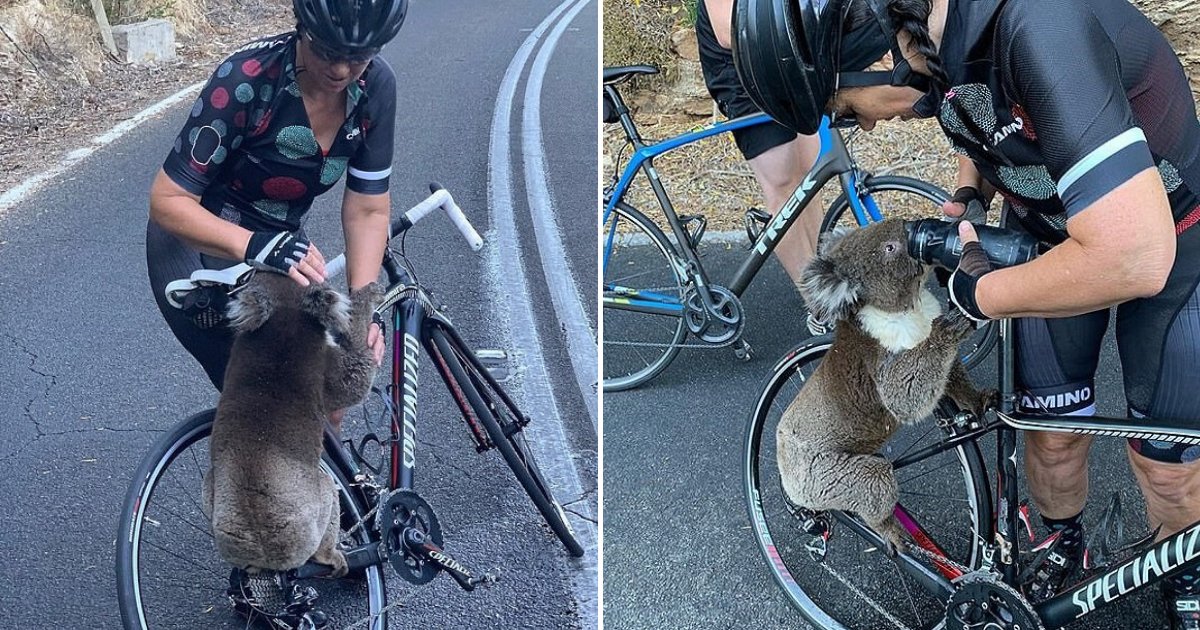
(357, 558)
(419, 545)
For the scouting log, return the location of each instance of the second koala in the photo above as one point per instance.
(300, 353)
(893, 357)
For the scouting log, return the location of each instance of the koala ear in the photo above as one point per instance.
(829, 294)
(831, 238)
(329, 307)
(251, 308)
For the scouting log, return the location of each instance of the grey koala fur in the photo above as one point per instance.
(893, 357)
(299, 354)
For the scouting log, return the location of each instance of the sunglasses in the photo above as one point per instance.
(329, 55)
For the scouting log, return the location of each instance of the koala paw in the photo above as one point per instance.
(988, 398)
(894, 535)
(954, 323)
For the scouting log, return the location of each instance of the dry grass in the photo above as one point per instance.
(711, 178)
(60, 85)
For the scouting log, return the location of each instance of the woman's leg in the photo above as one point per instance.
(169, 259)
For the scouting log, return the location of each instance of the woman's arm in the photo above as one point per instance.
(180, 213)
(365, 225)
(1121, 247)
(720, 13)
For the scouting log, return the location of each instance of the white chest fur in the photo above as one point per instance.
(901, 330)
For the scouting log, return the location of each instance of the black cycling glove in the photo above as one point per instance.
(973, 201)
(972, 265)
(276, 251)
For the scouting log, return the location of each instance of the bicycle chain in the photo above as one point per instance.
(915, 550)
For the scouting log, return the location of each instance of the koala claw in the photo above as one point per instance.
(954, 323)
(988, 398)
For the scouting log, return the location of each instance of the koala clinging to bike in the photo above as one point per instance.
(894, 355)
(299, 354)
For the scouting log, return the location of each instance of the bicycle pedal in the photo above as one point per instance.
(496, 362)
(756, 221)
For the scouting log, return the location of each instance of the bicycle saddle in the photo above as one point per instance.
(229, 277)
(620, 74)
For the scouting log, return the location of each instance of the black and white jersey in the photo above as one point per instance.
(1058, 102)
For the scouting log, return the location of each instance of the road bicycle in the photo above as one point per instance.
(168, 573)
(965, 567)
(655, 289)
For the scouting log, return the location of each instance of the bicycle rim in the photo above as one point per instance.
(509, 439)
(909, 198)
(855, 586)
(638, 270)
(169, 574)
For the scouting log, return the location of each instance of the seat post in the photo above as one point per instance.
(631, 131)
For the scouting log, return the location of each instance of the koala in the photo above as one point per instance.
(299, 353)
(894, 355)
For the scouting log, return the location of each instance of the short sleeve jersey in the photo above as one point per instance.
(249, 151)
(1061, 101)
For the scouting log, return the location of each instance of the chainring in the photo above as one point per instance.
(720, 331)
(981, 601)
(403, 509)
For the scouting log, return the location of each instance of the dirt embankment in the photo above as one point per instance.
(710, 177)
(61, 87)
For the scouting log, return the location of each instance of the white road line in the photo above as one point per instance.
(509, 294)
(18, 193)
(564, 292)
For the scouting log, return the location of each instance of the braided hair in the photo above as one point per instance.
(912, 17)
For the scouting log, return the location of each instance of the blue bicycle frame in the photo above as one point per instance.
(833, 160)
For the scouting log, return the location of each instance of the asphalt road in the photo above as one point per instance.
(678, 550)
(90, 375)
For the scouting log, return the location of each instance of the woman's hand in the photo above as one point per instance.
(973, 264)
(967, 204)
(310, 269)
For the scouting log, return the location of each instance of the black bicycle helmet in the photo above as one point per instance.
(791, 55)
(351, 26)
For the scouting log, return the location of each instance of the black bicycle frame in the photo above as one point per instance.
(416, 324)
(1168, 557)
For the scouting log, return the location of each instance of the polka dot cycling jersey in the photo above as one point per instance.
(249, 151)
(1061, 101)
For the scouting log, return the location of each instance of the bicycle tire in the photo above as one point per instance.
(621, 322)
(140, 498)
(511, 442)
(980, 344)
(781, 541)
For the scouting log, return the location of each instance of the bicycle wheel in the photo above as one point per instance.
(496, 416)
(905, 197)
(643, 300)
(168, 572)
(854, 586)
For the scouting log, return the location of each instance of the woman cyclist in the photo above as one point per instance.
(280, 122)
(1079, 113)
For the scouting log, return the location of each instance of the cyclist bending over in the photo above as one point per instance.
(1079, 113)
(280, 122)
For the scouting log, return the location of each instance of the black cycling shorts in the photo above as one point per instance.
(169, 259)
(726, 89)
(1158, 339)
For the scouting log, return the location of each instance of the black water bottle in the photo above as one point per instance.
(936, 242)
